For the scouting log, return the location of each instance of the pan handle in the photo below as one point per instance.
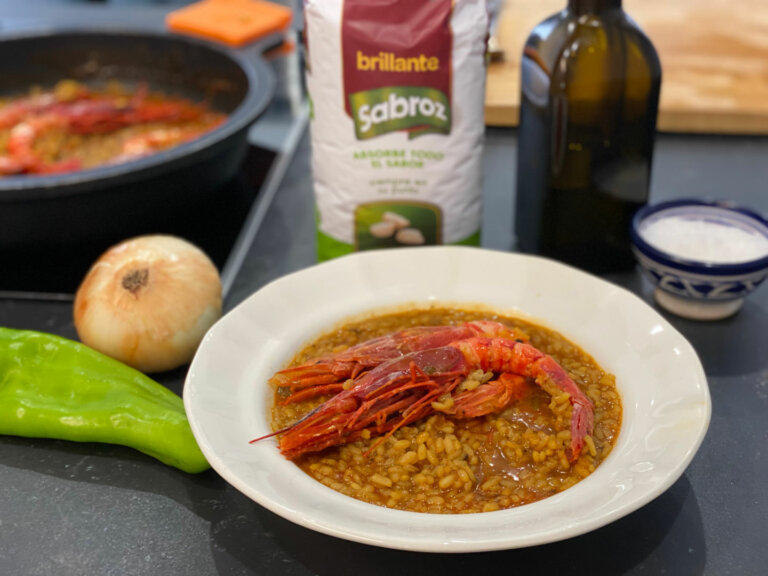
(266, 47)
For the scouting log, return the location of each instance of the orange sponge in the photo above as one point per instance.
(233, 22)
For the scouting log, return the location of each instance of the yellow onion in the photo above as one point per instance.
(148, 302)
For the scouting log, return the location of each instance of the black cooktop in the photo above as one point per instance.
(213, 224)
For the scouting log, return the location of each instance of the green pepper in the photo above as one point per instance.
(52, 387)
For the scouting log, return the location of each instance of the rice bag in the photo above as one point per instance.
(397, 90)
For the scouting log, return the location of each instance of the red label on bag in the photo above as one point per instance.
(397, 65)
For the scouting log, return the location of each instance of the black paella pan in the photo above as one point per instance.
(109, 203)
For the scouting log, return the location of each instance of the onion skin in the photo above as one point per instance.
(148, 302)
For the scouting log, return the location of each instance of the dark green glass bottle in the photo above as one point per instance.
(590, 93)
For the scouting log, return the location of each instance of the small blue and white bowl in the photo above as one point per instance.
(703, 257)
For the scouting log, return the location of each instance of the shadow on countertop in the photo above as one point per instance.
(246, 538)
(651, 536)
(730, 347)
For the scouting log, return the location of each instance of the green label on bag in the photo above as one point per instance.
(416, 109)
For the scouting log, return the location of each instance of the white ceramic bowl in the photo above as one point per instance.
(694, 286)
(661, 380)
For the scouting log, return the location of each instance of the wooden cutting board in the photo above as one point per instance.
(714, 57)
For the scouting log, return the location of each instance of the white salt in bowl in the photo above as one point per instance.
(703, 257)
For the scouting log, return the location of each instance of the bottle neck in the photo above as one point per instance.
(592, 6)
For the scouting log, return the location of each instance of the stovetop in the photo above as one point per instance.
(222, 225)
(212, 224)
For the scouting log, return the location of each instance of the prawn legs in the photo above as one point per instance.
(405, 389)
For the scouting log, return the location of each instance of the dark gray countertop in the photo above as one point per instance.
(68, 508)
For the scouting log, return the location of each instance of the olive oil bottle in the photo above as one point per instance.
(590, 93)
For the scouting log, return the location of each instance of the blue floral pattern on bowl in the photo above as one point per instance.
(702, 287)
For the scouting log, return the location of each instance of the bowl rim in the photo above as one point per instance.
(698, 267)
